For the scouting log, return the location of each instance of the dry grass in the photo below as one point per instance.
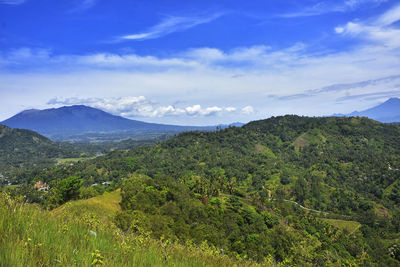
(301, 142)
(106, 204)
(350, 226)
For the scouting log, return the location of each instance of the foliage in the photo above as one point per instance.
(263, 192)
(65, 190)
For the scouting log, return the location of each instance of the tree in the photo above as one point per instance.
(300, 188)
(63, 191)
(69, 188)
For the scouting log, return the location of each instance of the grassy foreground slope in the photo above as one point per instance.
(30, 236)
(104, 206)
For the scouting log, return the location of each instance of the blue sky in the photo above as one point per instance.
(199, 62)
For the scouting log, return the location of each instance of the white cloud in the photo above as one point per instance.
(118, 105)
(325, 7)
(167, 111)
(169, 25)
(131, 60)
(206, 54)
(139, 107)
(83, 5)
(390, 16)
(248, 110)
(379, 31)
(356, 3)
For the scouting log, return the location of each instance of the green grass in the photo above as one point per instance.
(30, 236)
(311, 137)
(350, 226)
(11, 186)
(301, 142)
(264, 150)
(388, 190)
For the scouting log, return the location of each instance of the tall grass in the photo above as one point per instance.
(30, 236)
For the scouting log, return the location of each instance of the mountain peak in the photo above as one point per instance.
(70, 120)
(76, 107)
(388, 111)
(29, 111)
(393, 100)
(61, 123)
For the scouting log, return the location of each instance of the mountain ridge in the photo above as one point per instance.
(68, 122)
(387, 112)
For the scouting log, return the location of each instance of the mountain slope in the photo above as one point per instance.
(23, 148)
(388, 111)
(70, 122)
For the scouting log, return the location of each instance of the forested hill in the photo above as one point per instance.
(332, 164)
(24, 148)
(302, 158)
(248, 190)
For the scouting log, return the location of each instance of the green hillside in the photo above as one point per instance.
(20, 149)
(290, 190)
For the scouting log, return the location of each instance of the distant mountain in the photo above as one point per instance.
(388, 111)
(81, 122)
(24, 148)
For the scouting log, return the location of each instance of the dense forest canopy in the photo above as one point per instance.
(273, 188)
(21, 149)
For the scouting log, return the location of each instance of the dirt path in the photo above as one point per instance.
(304, 208)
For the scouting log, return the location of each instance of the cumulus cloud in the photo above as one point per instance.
(198, 110)
(140, 106)
(230, 109)
(118, 105)
(248, 110)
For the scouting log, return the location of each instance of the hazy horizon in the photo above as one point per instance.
(188, 124)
